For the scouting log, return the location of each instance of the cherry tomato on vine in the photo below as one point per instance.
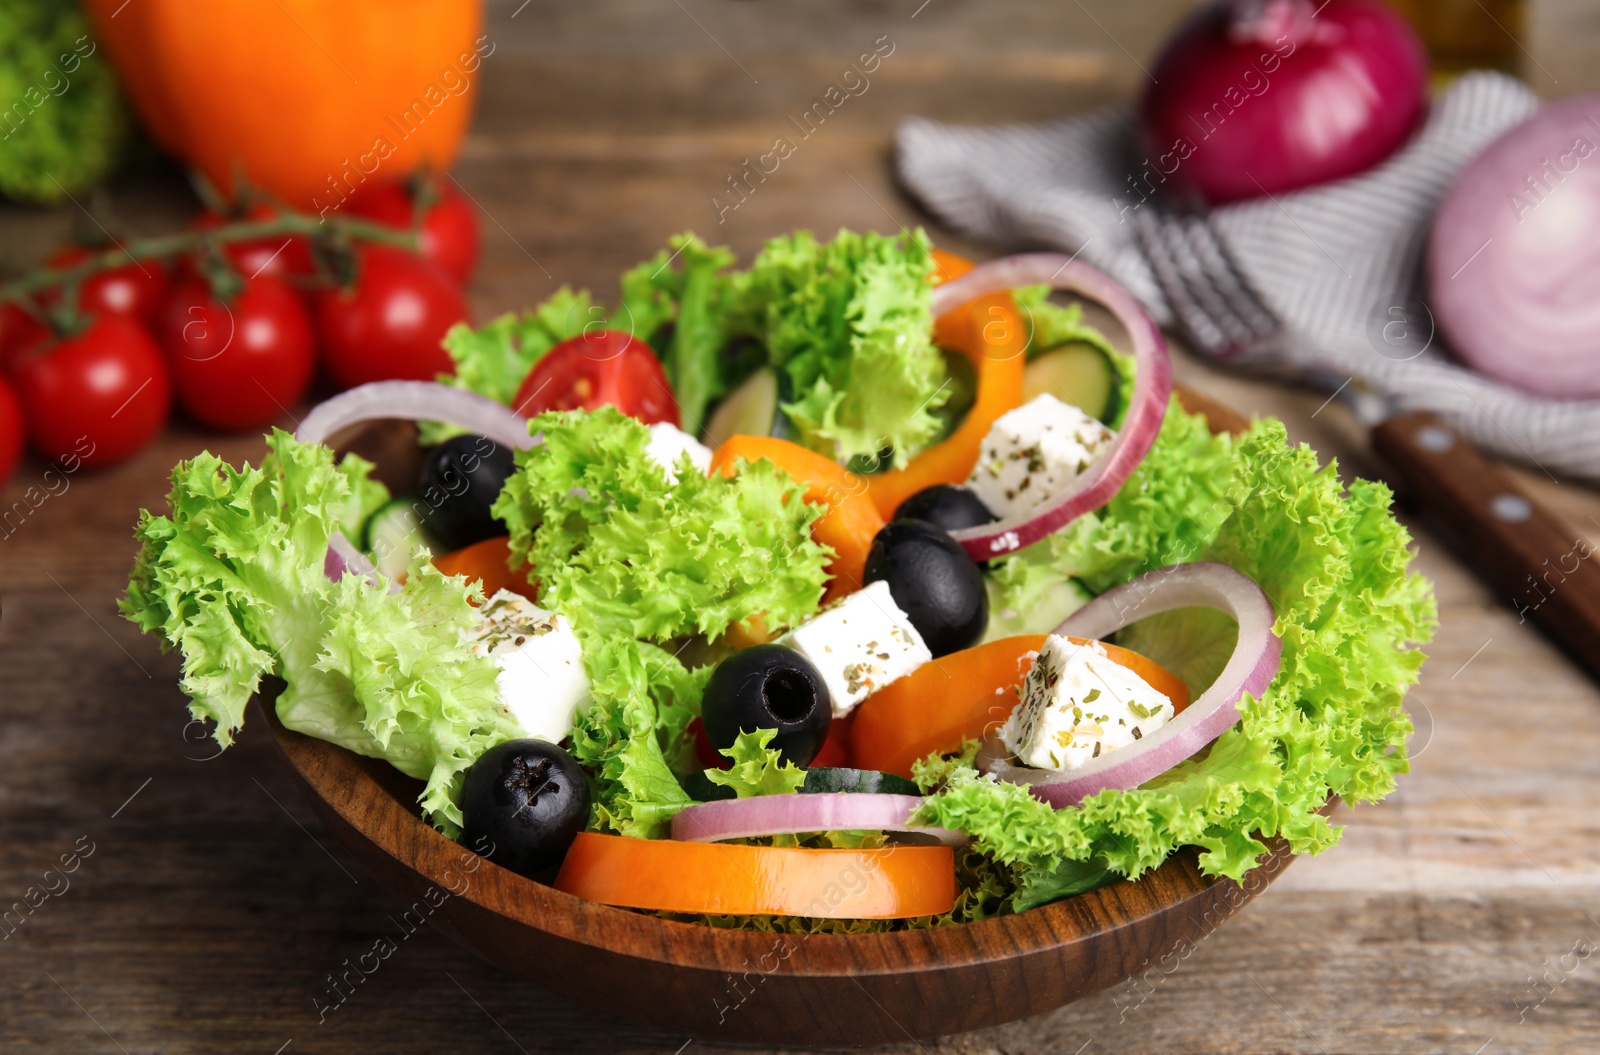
(19, 331)
(240, 364)
(277, 256)
(389, 324)
(449, 232)
(97, 397)
(135, 289)
(596, 368)
(11, 432)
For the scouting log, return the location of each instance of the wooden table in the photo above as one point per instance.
(208, 909)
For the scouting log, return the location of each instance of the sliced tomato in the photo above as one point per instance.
(599, 368)
(489, 562)
(964, 695)
(894, 882)
(835, 753)
(851, 522)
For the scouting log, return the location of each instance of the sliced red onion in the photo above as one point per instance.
(415, 401)
(404, 401)
(1152, 389)
(792, 814)
(1250, 669)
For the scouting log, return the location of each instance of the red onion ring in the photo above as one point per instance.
(1147, 407)
(758, 815)
(405, 401)
(1250, 669)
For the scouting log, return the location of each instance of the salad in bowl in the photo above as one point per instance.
(861, 560)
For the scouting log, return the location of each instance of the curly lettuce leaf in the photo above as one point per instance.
(1334, 562)
(851, 321)
(492, 359)
(758, 768)
(634, 563)
(233, 578)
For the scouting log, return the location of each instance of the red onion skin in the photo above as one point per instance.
(1514, 255)
(792, 814)
(1304, 97)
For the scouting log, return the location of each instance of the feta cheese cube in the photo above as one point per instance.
(542, 681)
(1078, 705)
(1034, 452)
(668, 444)
(860, 643)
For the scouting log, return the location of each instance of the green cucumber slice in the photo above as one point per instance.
(393, 533)
(1076, 373)
(752, 409)
(1041, 614)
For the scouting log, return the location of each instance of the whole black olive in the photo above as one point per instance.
(461, 478)
(522, 804)
(949, 506)
(934, 581)
(768, 687)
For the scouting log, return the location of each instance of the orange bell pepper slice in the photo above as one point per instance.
(894, 882)
(489, 562)
(851, 521)
(991, 333)
(963, 695)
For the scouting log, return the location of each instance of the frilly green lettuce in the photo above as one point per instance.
(233, 578)
(758, 768)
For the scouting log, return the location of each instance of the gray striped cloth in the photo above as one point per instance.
(1341, 264)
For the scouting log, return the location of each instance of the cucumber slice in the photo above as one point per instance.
(1076, 373)
(393, 533)
(825, 779)
(752, 409)
(699, 787)
(1193, 643)
(1043, 613)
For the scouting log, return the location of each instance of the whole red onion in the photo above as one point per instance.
(1257, 97)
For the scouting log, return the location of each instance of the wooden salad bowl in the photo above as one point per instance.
(782, 989)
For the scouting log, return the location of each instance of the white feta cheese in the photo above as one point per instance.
(1077, 705)
(542, 681)
(860, 643)
(1034, 452)
(668, 444)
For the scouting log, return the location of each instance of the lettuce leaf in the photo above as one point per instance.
(493, 359)
(758, 768)
(1334, 562)
(635, 563)
(233, 578)
(851, 321)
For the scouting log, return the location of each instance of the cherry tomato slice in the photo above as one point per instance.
(97, 398)
(599, 368)
(240, 365)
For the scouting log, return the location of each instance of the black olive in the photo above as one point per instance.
(460, 480)
(522, 804)
(949, 506)
(934, 581)
(768, 687)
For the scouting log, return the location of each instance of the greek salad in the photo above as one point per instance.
(860, 561)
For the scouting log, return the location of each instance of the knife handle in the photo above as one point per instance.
(1543, 568)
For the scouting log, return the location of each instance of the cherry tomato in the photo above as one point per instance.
(135, 289)
(390, 323)
(278, 256)
(11, 430)
(96, 398)
(19, 331)
(238, 365)
(449, 231)
(596, 368)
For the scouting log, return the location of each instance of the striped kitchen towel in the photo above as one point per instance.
(1341, 264)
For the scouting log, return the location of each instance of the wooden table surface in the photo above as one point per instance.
(208, 908)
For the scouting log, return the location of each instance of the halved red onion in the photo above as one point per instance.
(1250, 669)
(792, 814)
(415, 401)
(1147, 407)
(404, 401)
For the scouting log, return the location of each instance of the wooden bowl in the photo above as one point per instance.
(822, 989)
